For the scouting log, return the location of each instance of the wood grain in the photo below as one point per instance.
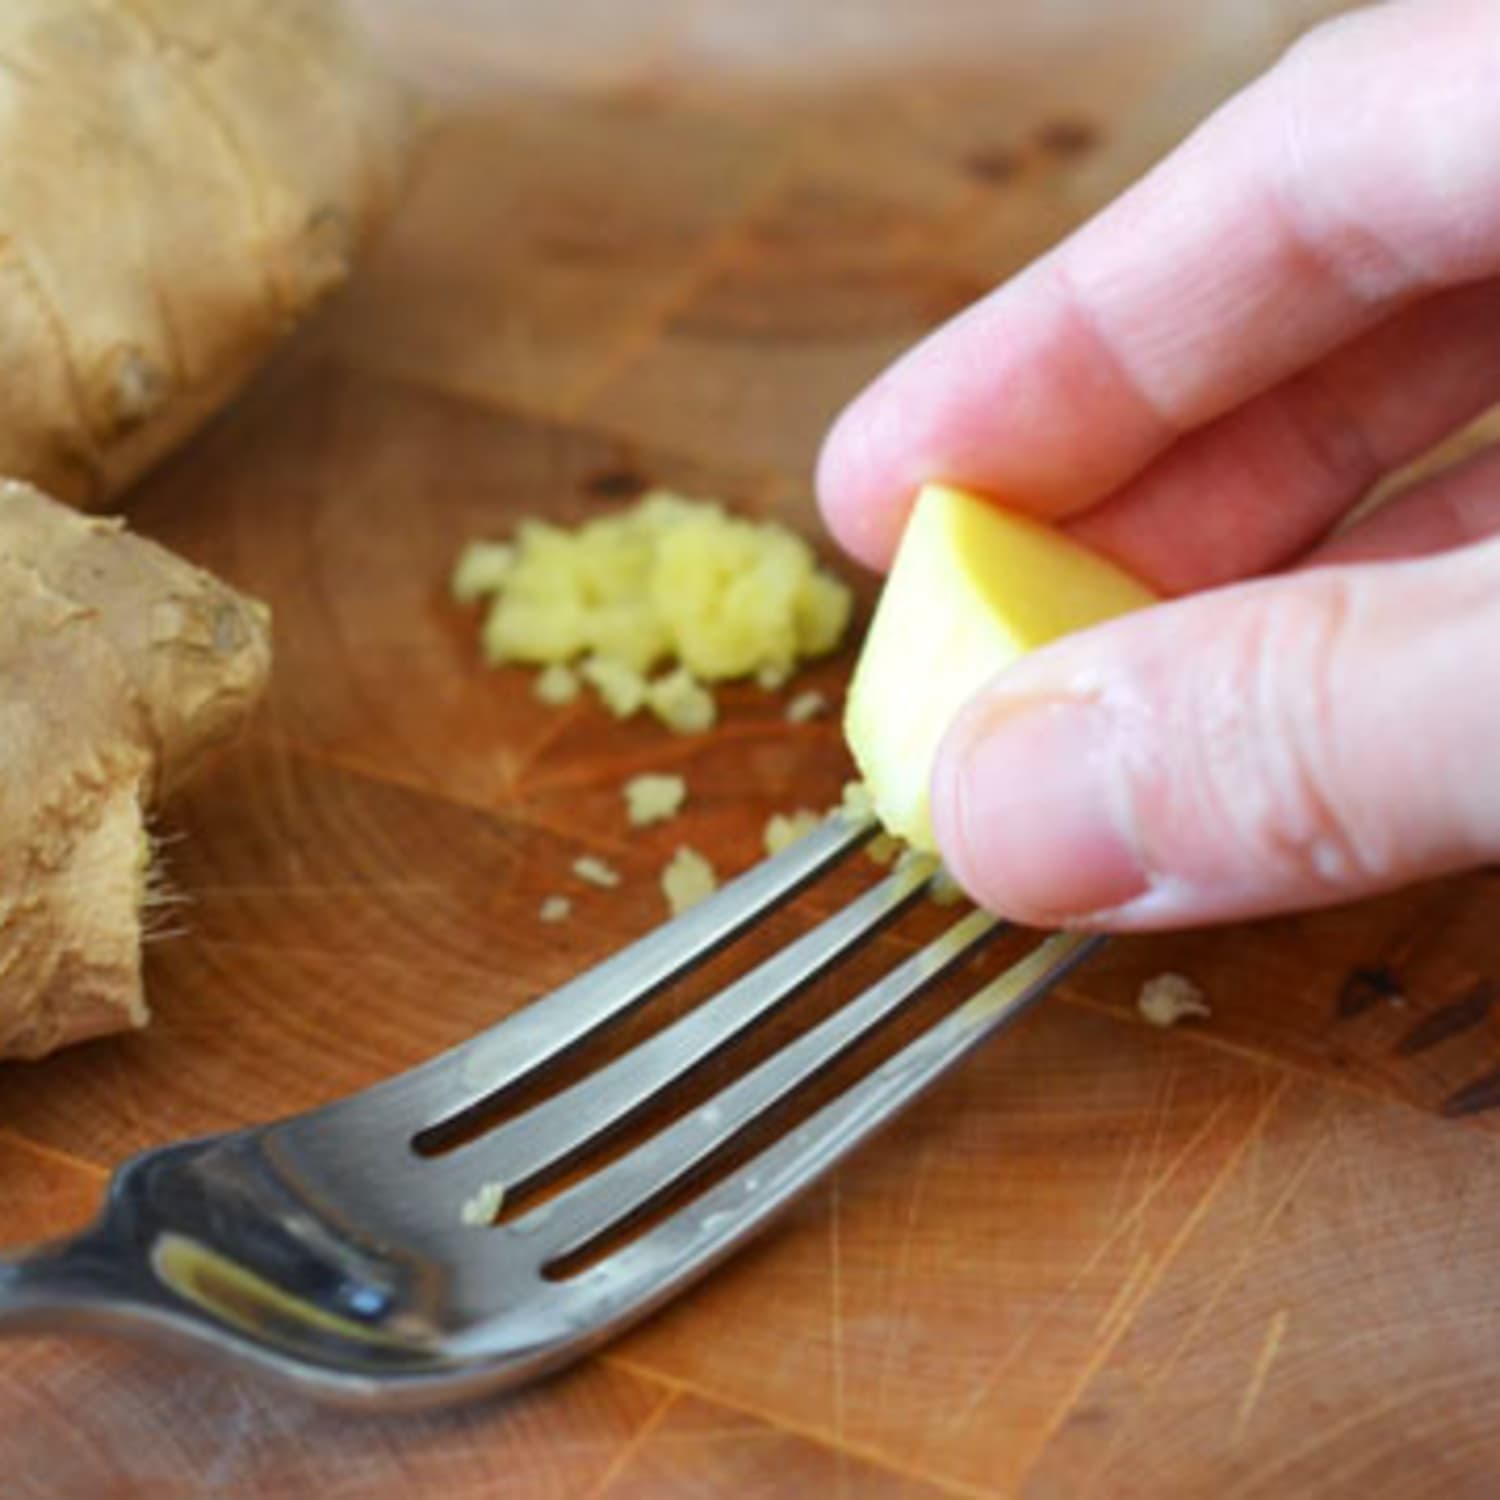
(660, 241)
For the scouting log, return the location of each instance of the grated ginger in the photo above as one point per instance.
(557, 685)
(945, 890)
(621, 689)
(915, 863)
(594, 871)
(482, 569)
(667, 580)
(784, 829)
(1170, 998)
(682, 703)
(687, 880)
(481, 1209)
(856, 804)
(807, 706)
(653, 799)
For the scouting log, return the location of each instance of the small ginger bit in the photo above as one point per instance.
(1170, 998)
(683, 704)
(555, 909)
(784, 829)
(806, 707)
(621, 688)
(557, 685)
(914, 862)
(480, 1210)
(594, 871)
(856, 804)
(653, 798)
(481, 570)
(688, 880)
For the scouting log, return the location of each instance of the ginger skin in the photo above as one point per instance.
(124, 668)
(181, 182)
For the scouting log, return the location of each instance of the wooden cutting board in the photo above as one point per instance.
(661, 242)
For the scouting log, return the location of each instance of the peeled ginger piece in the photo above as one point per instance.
(973, 589)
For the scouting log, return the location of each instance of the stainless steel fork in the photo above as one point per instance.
(330, 1251)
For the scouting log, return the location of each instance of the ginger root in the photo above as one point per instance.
(180, 182)
(123, 668)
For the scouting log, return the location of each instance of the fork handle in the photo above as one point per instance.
(30, 1285)
(58, 1284)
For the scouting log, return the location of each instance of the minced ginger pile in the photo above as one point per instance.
(653, 604)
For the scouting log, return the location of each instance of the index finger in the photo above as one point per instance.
(1351, 180)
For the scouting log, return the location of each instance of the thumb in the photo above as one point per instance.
(1283, 744)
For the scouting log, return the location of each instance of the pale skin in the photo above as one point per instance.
(1203, 382)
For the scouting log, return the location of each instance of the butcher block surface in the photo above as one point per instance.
(660, 242)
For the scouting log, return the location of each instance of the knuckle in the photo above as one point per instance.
(1282, 791)
(1322, 184)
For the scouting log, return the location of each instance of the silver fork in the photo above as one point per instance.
(329, 1251)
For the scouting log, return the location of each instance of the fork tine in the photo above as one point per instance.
(629, 1185)
(701, 1233)
(552, 1133)
(472, 1074)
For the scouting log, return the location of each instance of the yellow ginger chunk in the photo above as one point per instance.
(973, 589)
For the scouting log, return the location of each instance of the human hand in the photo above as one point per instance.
(1201, 383)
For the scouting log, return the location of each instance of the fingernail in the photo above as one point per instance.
(1024, 811)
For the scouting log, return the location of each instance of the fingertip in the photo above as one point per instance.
(861, 489)
(1024, 811)
(950, 824)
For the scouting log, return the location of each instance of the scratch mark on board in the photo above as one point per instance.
(1186, 1231)
(1158, 1375)
(1166, 1098)
(1125, 1300)
(1122, 1232)
(895, 1346)
(1259, 1373)
(633, 1445)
